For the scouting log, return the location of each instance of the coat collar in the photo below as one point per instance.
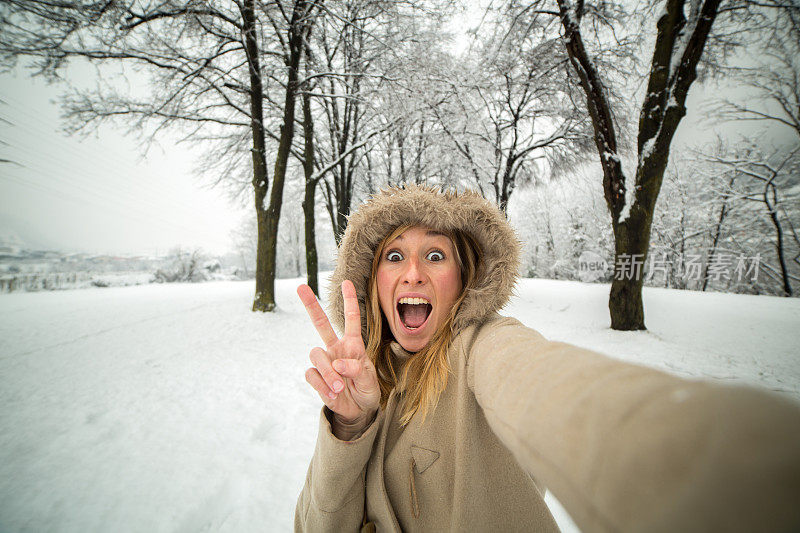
(399, 352)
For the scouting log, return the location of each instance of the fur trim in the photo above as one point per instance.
(442, 211)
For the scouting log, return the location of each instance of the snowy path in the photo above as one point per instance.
(174, 408)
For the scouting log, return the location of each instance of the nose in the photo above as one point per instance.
(413, 274)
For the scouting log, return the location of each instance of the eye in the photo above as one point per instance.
(394, 256)
(435, 256)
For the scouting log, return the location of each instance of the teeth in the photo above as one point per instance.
(414, 301)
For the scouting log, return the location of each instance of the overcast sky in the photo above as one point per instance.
(98, 194)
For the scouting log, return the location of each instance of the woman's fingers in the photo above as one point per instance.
(323, 364)
(314, 378)
(317, 315)
(352, 315)
(342, 359)
(348, 368)
(361, 372)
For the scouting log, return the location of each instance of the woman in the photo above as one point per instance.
(442, 415)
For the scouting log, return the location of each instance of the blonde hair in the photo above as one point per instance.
(423, 376)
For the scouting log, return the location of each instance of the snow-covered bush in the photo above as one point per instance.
(183, 266)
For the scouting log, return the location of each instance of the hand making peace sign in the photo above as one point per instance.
(342, 375)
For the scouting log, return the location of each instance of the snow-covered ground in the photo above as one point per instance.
(174, 408)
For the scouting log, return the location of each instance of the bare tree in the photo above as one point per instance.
(291, 243)
(414, 149)
(298, 30)
(309, 187)
(244, 240)
(772, 79)
(716, 230)
(354, 46)
(681, 34)
(344, 44)
(512, 114)
(769, 173)
(207, 60)
(355, 52)
(692, 225)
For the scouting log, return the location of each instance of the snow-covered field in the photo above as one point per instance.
(174, 408)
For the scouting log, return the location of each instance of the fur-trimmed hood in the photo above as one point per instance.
(443, 211)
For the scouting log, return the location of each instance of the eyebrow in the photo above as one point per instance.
(430, 233)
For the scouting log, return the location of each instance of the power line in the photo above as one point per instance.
(67, 195)
(61, 178)
(103, 156)
(46, 163)
(63, 195)
(62, 163)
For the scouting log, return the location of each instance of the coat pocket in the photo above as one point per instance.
(423, 457)
(421, 460)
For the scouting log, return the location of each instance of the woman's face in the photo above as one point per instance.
(418, 282)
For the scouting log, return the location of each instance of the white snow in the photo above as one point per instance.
(625, 212)
(174, 408)
(647, 149)
(609, 156)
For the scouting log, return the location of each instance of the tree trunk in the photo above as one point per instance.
(265, 285)
(309, 196)
(312, 262)
(260, 180)
(787, 286)
(632, 242)
(345, 201)
(338, 203)
(342, 211)
(723, 211)
(507, 183)
(631, 238)
(779, 247)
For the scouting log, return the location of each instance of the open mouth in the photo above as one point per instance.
(413, 312)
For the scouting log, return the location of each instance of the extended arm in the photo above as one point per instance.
(629, 448)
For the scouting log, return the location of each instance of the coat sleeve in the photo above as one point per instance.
(629, 448)
(333, 495)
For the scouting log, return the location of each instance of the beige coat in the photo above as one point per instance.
(623, 447)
